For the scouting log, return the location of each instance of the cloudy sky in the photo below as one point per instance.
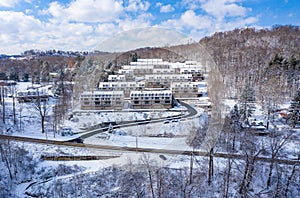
(85, 24)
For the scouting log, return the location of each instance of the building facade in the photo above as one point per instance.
(102, 100)
(151, 99)
(126, 87)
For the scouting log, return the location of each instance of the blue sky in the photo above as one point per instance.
(85, 24)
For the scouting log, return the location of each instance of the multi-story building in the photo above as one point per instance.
(184, 89)
(102, 100)
(165, 80)
(116, 78)
(183, 79)
(151, 99)
(126, 87)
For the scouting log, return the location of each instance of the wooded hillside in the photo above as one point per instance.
(255, 56)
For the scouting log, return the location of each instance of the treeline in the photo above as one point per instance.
(252, 56)
(54, 52)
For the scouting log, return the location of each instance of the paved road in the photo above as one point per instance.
(147, 150)
(100, 129)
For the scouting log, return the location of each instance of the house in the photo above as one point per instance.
(32, 94)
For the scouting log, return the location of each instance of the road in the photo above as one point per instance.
(148, 150)
(99, 129)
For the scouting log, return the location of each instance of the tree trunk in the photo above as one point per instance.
(6, 160)
(43, 123)
(191, 168)
(249, 177)
(14, 110)
(211, 166)
(226, 181)
(3, 104)
(289, 180)
(270, 173)
(245, 176)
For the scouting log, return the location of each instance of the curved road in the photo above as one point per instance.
(148, 150)
(99, 129)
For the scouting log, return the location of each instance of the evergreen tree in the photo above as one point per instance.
(295, 110)
(247, 103)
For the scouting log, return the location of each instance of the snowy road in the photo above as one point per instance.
(151, 150)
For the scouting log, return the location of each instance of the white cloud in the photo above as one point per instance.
(199, 25)
(222, 8)
(192, 20)
(83, 24)
(143, 20)
(86, 10)
(166, 8)
(8, 3)
(137, 5)
(189, 21)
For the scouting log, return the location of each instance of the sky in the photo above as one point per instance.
(84, 25)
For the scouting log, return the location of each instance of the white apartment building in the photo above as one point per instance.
(151, 99)
(184, 89)
(126, 87)
(102, 100)
(116, 78)
(160, 80)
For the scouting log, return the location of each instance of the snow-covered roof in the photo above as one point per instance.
(168, 92)
(89, 93)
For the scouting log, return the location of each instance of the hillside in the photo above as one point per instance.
(245, 55)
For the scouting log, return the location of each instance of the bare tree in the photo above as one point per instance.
(3, 104)
(290, 177)
(195, 139)
(42, 106)
(146, 160)
(276, 144)
(251, 151)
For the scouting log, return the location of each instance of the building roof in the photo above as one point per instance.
(102, 93)
(152, 92)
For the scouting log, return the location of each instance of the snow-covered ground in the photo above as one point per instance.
(169, 134)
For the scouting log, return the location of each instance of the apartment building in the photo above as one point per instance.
(116, 78)
(151, 99)
(165, 80)
(126, 87)
(184, 89)
(102, 100)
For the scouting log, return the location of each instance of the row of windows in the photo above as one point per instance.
(136, 102)
(102, 96)
(151, 98)
(151, 94)
(103, 103)
(169, 77)
(122, 85)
